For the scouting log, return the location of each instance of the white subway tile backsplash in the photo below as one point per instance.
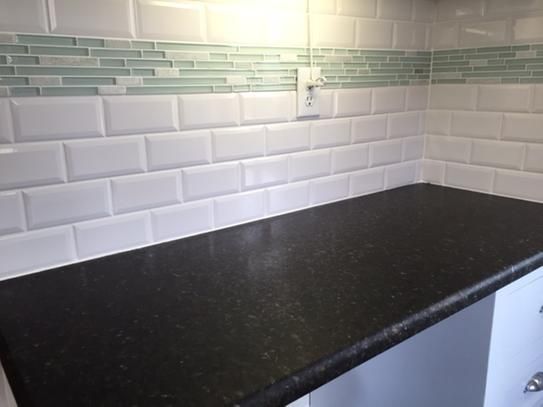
(350, 158)
(178, 150)
(6, 127)
(519, 185)
(106, 18)
(210, 180)
(476, 124)
(329, 189)
(51, 206)
(262, 172)
(499, 154)
(388, 99)
(170, 20)
(448, 148)
(367, 181)
(469, 177)
(266, 107)
(453, 97)
(417, 98)
(433, 172)
(286, 138)
(459, 9)
(358, 8)
(413, 148)
(374, 34)
(310, 164)
(209, 110)
(438, 122)
(355, 102)
(237, 143)
(287, 198)
(487, 33)
(31, 164)
(508, 98)
(140, 114)
(239, 208)
(182, 220)
(528, 29)
(410, 36)
(23, 15)
(87, 159)
(534, 158)
(57, 205)
(403, 125)
(445, 35)
(235, 24)
(400, 175)
(326, 106)
(285, 28)
(330, 133)
(394, 9)
(385, 152)
(424, 10)
(38, 119)
(369, 128)
(523, 127)
(136, 192)
(98, 237)
(332, 31)
(538, 98)
(12, 218)
(48, 248)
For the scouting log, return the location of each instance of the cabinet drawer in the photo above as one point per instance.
(518, 316)
(514, 394)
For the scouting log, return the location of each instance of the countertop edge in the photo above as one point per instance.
(330, 367)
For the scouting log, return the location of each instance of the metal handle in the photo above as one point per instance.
(535, 384)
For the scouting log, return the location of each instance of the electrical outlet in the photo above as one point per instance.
(308, 98)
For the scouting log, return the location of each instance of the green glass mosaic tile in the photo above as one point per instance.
(7, 70)
(115, 53)
(69, 91)
(143, 44)
(43, 50)
(160, 90)
(213, 64)
(24, 60)
(112, 62)
(13, 80)
(183, 64)
(90, 42)
(184, 81)
(153, 54)
(171, 46)
(3, 59)
(45, 40)
(531, 80)
(24, 91)
(143, 72)
(13, 49)
(148, 63)
(88, 81)
(40, 70)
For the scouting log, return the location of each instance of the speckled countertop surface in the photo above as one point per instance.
(260, 314)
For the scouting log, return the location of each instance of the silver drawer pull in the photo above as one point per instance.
(535, 384)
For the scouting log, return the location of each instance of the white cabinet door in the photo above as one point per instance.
(516, 349)
(6, 397)
(444, 366)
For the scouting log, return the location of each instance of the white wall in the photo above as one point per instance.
(477, 23)
(335, 23)
(487, 137)
(88, 176)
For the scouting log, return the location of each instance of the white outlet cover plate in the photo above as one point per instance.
(307, 100)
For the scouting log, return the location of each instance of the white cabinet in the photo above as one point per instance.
(6, 397)
(482, 356)
(516, 348)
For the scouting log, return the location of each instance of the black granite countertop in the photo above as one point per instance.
(263, 313)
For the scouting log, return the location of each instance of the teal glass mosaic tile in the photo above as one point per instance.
(501, 64)
(160, 67)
